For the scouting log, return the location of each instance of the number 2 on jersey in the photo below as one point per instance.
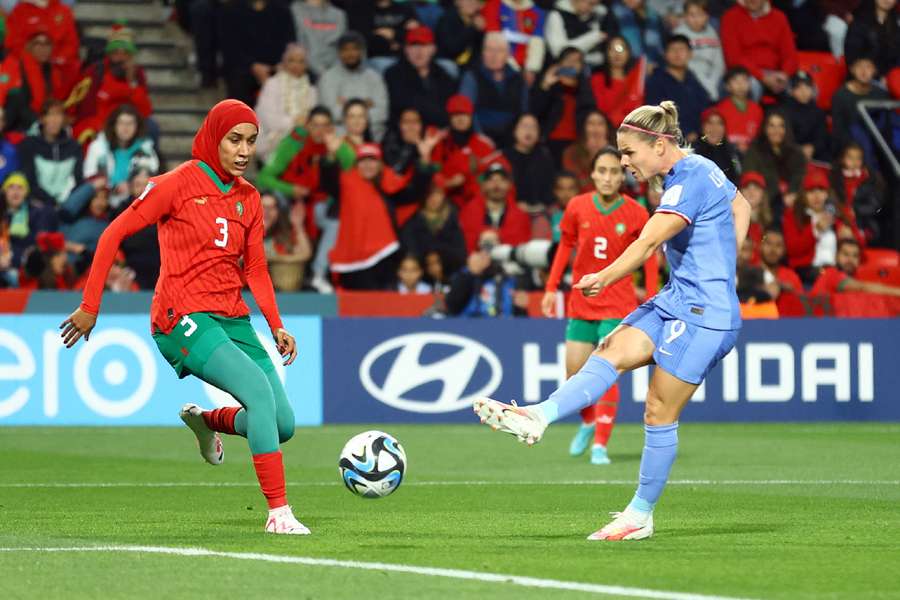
(600, 247)
(223, 231)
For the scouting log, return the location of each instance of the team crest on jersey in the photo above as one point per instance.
(201, 200)
(620, 228)
(239, 207)
(585, 224)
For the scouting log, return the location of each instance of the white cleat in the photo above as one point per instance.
(527, 424)
(210, 443)
(626, 525)
(282, 520)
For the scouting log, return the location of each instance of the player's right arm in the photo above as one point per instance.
(740, 210)
(567, 239)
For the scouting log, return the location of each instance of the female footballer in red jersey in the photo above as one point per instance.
(599, 226)
(209, 217)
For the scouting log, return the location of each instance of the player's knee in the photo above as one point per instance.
(286, 427)
(656, 412)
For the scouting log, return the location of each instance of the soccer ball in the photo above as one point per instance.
(372, 464)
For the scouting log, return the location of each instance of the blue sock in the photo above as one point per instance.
(582, 389)
(660, 448)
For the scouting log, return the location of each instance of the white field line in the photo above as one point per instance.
(688, 482)
(530, 582)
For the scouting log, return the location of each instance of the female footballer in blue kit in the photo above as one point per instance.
(685, 329)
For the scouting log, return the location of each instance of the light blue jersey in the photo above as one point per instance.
(702, 257)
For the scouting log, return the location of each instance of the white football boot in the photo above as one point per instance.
(626, 525)
(210, 443)
(282, 520)
(526, 423)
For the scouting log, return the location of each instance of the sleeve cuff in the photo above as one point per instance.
(675, 212)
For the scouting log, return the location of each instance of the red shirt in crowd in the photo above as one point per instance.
(741, 126)
(514, 228)
(56, 20)
(761, 43)
(830, 281)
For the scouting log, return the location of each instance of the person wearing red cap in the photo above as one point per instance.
(209, 218)
(495, 208)
(417, 81)
(809, 227)
(366, 196)
(753, 187)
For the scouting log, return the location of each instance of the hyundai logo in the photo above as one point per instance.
(455, 372)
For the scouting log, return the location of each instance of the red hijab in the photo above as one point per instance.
(218, 122)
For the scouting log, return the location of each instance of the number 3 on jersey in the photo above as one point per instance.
(223, 231)
(600, 247)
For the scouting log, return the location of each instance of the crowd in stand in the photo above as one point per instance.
(401, 141)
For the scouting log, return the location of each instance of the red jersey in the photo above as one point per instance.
(598, 236)
(741, 126)
(830, 281)
(204, 227)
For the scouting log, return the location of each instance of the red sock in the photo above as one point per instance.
(221, 419)
(606, 415)
(588, 414)
(270, 472)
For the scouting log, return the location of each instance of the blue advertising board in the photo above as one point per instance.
(120, 378)
(413, 370)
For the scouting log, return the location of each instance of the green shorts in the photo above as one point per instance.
(590, 332)
(192, 341)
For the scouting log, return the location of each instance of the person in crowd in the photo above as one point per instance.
(752, 284)
(409, 276)
(9, 158)
(565, 187)
(807, 120)
(809, 228)
(85, 215)
(753, 187)
(581, 24)
(319, 26)
(435, 228)
(482, 288)
(642, 27)
(46, 264)
(707, 61)
(498, 92)
(436, 275)
(743, 116)
(460, 33)
(118, 150)
(50, 158)
(284, 101)
(860, 193)
(287, 247)
(417, 81)
(674, 81)
(619, 85)
(715, 146)
(351, 78)
(532, 165)
(772, 254)
(39, 78)
(593, 135)
(758, 37)
(494, 208)
(562, 100)
(23, 219)
(521, 22)
(781, 161)
(264, 29)
(874, 32)
(400, 145)
(840, 277)
(847, 124)
(51, 17)
(383, 22)
(141, 250)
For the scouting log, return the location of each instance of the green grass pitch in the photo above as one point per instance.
(807, 511)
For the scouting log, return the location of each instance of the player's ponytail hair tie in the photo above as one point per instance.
(647, 131)
(221, 118)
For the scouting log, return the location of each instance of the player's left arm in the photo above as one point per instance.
(256, 271)
(872, 287)
(740, 210)
(660, 228)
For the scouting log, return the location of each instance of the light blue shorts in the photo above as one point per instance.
(684, 350)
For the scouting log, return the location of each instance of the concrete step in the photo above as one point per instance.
(134, 13)
(179, 123)
(185, 79)
(175, 145)
(153, 35)
(162, 57)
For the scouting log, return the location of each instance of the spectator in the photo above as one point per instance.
(287, 247)
(436, 275)
(860, 193)
(110, 83)
(497, 91)
(118, 150)
(493, 208)
(435, 229)
(40, 79)
(772, 253)
(774, 154)
(264, 29)
(285, 100)
(460, 33)
(522, 24)
(416, 81)
(874, 32)
(51, 17)
(46, 264)
(350, 78)
(293, 169)
(460, 152)
(367, 194)
(532, 165)
(23, 219)
(578, 158)
(713, 145)
(840, 278)
(809, 228)
(409, 276)
(565, 187)
(401, 143)
(319, 26)
(676, 82)
(383, 23)
(752, 287)
(85, 214)
(806, 118)
(753, 187)
(10, 76)
(482, 289)
(707, 62)
(9, 160)
(141, 249)
(847, 124)
(562, 101)
(619, 85)
(51, 159)
(641, 27)
(742, 115)
(809, 20)
(757, 36)
(581, 24)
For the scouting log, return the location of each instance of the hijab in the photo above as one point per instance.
(223, 116)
